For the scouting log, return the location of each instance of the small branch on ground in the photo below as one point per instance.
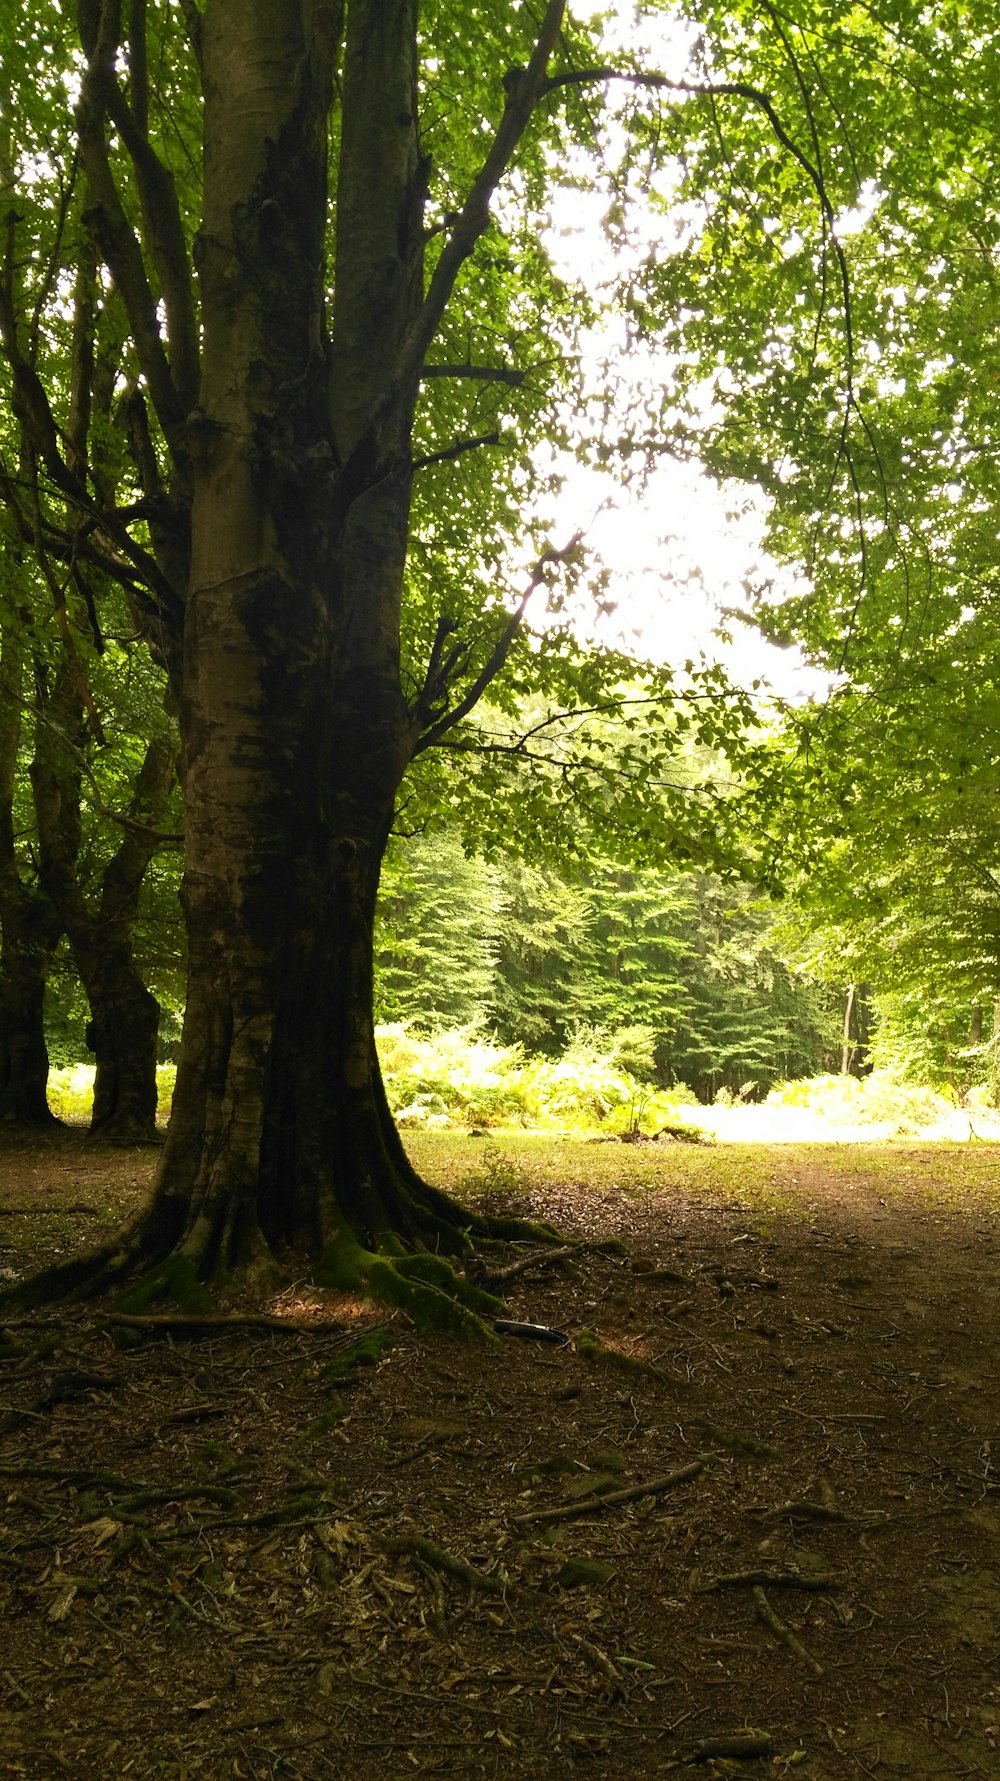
(762, 1579)
(220, 1323)
(599, 1659)
(543, 1258)
(766, 1613)
(651, 1487)
(48, 1211)
(417, 1546)
(743, 1747)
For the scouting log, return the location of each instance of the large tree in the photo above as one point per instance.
(314, 229)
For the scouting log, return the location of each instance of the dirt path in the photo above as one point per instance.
(228, 1556)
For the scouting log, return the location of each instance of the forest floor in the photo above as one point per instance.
(754, 1529)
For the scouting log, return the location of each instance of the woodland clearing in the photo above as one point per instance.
(753, 1526)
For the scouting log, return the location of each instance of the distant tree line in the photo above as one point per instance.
(683, 967)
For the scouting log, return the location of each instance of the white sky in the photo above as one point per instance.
(679, 550)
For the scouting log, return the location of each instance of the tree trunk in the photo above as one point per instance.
(124, 1015)
(857, 1031)
(122, 1033)
(30, 932)
(29, 927)
(295, 729)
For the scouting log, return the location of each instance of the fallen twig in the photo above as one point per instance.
(71, 1475)
(600, 1659)
(651, 1487)
(772, 1579)
(743, 1747)
(418, 1546)
(766, 1613)
(47, 1211)
(802, 1509)
(539, 1258)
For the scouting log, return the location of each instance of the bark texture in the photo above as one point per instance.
(124, 1015)
(29, 926)
(855, 1059)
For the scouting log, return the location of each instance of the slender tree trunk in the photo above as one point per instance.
(122, 1033)
(124, 1015)
(857, 1031)
(29, 926)
(30, 932)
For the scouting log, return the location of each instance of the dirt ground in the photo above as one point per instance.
(754, 1528)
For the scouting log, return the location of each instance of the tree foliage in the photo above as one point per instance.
(678, 970)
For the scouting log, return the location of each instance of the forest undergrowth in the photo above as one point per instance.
(743, 1517)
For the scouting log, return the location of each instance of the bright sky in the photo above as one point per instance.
(681, 552)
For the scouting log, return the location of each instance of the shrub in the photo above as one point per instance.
(462, 1078)
(878, 1099)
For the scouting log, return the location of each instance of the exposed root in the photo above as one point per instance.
(175, 1254)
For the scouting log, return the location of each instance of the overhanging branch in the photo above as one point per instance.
(501, 649)
(458, 450)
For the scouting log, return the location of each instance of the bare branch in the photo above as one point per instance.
(116, 238)
(457, 450)
(192, 22)
(524, 87)
(501, 649)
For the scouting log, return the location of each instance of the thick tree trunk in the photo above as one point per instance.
(295, 729)
(30, 932)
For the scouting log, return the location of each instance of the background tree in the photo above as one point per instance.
(679, 971)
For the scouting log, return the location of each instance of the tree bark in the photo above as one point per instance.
(30, 931)
(857, 1031)
(124, 1015)
(295, 728)
(29, 926)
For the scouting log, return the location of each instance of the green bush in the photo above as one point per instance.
(461, 1078)
(71, 1092)
(878, 1099)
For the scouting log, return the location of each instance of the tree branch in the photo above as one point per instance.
(168, 245)
(117, 239)
(457, 450)
(524, 87)
(482, 373)
(501, 649)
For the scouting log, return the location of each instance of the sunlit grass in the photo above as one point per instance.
(509, 1165)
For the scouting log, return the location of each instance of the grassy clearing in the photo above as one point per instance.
(502, 1170)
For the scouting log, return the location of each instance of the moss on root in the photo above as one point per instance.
(175, 1279)
(430, 1308)
(427, 1287)
(367, 1351)
(588, 1344)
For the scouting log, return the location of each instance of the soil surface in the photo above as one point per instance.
(752, 1524)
